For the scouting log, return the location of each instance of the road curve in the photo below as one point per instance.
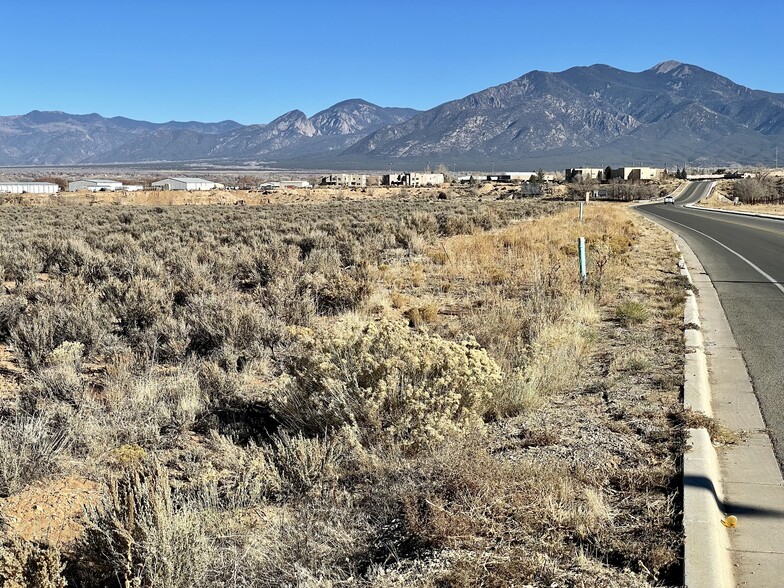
(744, 257)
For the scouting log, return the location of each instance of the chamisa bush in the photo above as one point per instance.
(391, 383)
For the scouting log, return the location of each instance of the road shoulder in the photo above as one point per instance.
(749, 485)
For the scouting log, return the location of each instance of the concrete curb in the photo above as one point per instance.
(707, 562)
(738, 212)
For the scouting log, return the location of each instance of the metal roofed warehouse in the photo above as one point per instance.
(183, 184)
(29, 187)
(94, 185)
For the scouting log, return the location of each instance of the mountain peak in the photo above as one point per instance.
(666, 66)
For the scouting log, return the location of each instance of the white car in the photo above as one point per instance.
(669, 200)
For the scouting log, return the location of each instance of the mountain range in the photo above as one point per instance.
(596, 115)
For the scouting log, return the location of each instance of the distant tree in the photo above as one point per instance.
(443, 169)
(53, 180)
(540, 175)
(750, 190)
(581, 184)
(247, 182)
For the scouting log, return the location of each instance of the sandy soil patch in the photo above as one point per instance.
(50, 511)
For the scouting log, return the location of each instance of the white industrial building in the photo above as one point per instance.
(95, 185)
(183, 184)
(29, 187)
(295, 184)
(102, 185)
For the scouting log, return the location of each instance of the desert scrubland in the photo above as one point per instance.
(354, 391)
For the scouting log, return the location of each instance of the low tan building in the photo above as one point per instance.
(632, 174)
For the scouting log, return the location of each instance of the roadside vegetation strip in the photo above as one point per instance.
(759, 196)
(388, 393)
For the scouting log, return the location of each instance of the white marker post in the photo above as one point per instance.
(581, 212)
(581, 254)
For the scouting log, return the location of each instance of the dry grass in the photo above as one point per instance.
(723, 195)
(719, 433)
(310, 395)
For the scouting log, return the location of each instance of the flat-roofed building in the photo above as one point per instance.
(189, 184)
(593, 173)
(29, 187)
(418, 179)
(350, 180)
(636, 173)
(516, 176)
(413, 179)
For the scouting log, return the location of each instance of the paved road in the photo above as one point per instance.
(744, 257)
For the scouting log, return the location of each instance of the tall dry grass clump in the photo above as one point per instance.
(536, 317)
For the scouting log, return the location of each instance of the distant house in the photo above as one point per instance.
(29, 187)
(412, 179)
(350, 180)
(189, 184)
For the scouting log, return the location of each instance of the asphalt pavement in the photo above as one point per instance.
(737, 266)
(744, 258)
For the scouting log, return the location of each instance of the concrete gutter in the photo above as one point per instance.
(707, 561)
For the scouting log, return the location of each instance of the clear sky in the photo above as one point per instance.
(251, 61)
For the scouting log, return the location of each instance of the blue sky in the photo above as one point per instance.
(253, 61)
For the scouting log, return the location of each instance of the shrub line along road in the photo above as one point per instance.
(744, 257)
(739, 268)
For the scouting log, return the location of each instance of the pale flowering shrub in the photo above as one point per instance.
(390, 383)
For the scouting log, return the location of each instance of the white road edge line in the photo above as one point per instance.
(751, 264)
